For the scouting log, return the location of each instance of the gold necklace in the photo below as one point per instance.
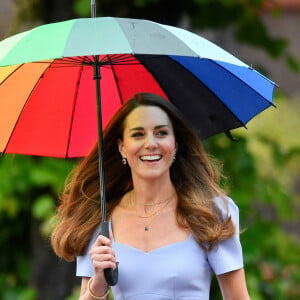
(156, 213)
(146, 226)
(157, 203)
(147, 216)
(152, 204)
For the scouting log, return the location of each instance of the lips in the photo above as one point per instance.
(152, 157)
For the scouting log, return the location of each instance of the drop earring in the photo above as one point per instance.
(124, 161)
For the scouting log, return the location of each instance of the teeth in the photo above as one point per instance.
(151, 157)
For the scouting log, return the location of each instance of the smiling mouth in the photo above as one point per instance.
(151, 157)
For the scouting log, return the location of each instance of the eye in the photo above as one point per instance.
(137, 134)
(162, 132)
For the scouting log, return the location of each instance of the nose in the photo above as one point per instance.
(150, 141)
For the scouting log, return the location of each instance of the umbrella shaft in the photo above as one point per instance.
(93, 9)
(97, 77)
(111, 275)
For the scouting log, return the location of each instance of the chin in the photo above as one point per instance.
(154, 175)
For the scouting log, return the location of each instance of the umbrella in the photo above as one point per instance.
(47, 92)
(52, 66)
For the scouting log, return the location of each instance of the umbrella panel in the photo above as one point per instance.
(15, 88)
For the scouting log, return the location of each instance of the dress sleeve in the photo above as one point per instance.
(227, 255)
(84, 266)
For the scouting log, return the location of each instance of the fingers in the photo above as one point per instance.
(102, 240)
(102, 254)
(103, 261)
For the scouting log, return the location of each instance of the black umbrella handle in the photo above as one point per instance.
(111, 275)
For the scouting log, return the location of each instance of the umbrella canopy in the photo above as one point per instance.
(47, 91)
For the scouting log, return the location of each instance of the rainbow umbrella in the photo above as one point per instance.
(47, 93)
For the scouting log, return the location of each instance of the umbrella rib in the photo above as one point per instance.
(60, 62)
(72, 61)
(113, 58)
(87, 59)
(128, 61)
(74, 58)
(123, 58)
(118, 59)
(69, 62)
(117, 83)
(16, 123)
(73, 112)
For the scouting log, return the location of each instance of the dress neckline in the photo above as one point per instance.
(161, 248)
(151, 251)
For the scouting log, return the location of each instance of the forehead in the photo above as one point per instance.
(147, 116)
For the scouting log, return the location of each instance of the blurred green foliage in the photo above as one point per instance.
(28, 190)
(262, 168)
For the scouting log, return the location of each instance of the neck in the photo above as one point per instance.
(147, 193)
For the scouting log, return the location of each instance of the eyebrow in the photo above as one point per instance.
(142, 128)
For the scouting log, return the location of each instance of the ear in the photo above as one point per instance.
(121, 148)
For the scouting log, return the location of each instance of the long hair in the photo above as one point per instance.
(193, 175)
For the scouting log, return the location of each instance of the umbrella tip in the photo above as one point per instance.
(229, 135)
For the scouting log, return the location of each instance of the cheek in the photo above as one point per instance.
(170, 148)
(131, 149)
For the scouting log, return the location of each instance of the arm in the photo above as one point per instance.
(233, 285)
(84, 294)
(102, 256)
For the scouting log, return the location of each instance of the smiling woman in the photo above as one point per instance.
(171, 224)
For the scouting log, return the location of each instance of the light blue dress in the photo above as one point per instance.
(179, 271)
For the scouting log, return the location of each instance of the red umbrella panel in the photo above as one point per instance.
(53, 111)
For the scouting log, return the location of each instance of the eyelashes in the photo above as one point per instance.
(159, 133)
(162, 132)
(137, 134)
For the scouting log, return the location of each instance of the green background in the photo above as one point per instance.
(262, 168)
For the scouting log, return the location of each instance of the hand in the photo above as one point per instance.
(102, 256)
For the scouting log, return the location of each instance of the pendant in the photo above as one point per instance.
(146, 228)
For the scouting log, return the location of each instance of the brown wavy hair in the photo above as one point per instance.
(193, 175)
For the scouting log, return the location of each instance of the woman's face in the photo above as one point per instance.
(149, 143)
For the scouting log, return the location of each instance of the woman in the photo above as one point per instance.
(171, 224)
